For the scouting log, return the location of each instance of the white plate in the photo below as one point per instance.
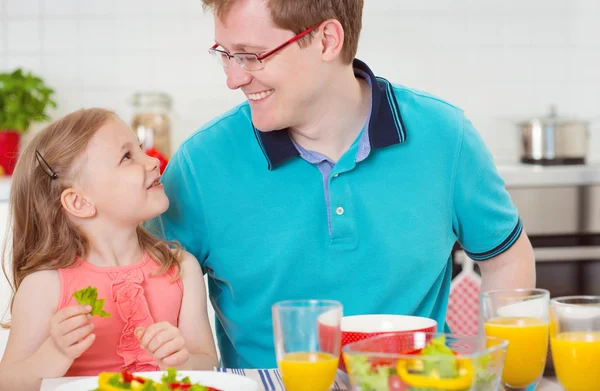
(222, 381)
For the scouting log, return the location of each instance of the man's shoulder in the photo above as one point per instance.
(221, 129)
(425, 101)
(427, 116)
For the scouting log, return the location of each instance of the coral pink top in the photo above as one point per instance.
(134, 296)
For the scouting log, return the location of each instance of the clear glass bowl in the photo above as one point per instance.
(411, 361)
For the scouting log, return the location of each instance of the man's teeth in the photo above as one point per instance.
(260, 95)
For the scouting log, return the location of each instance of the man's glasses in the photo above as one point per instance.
(252, 61)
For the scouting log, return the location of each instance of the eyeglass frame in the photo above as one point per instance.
(213, 49)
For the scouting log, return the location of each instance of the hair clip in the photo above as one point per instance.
(41, 160)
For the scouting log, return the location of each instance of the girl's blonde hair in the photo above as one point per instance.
(43, 237)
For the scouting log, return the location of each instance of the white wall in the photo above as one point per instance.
(501, 60)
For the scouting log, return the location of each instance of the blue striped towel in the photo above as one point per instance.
(270, 379)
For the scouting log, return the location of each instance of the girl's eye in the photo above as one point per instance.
(127, 156)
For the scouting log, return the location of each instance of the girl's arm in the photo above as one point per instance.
(31, 353)
(193, 317)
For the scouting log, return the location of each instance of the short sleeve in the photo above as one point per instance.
(485, 220)
(184, 221)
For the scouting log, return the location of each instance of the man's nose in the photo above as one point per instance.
(236, 75)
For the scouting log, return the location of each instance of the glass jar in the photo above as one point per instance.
(151, 120)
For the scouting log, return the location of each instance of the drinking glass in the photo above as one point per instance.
(519, 316)
(575, 341)
(307, 343)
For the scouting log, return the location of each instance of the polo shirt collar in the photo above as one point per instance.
(385, 124)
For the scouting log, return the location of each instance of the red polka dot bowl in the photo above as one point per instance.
(358, 327)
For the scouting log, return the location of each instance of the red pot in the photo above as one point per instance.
(9, 150)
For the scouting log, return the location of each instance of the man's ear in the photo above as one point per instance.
(332, 40)
(76, 204)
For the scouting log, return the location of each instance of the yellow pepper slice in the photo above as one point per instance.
(104, 382)
(466, 374)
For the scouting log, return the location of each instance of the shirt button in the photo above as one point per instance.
(336, 175)
(339, 210)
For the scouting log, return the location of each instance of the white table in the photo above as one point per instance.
(51, 384)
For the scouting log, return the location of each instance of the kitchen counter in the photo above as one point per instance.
(4, 189)
(517, 174)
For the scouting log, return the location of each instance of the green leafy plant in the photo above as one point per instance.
(24, 99)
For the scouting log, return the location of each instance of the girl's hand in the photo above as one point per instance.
(164, 343)
(71, 330)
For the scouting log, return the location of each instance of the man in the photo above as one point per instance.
(329, 182)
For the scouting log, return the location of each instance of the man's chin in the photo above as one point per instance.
(265, 125)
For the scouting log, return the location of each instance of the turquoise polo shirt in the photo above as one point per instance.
(255, 214)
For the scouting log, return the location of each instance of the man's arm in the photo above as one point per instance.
(514, 268)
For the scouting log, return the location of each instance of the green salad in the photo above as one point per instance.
(434, 368)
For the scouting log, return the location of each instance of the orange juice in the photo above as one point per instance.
(527, 348)
(576, 358)
(308, 371)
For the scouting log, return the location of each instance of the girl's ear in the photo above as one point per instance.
(76, 204)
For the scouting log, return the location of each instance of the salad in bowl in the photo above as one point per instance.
(419, 361)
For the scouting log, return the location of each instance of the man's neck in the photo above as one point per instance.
(337, 118)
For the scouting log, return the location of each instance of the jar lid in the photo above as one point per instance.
(151, 99)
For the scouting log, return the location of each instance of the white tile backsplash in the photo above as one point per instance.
(133, 70)
(22, 7)
(61, 69)
(99, 7)
(502, 61)
(97, 36)
(31, 63)
(97, 71)
(60, 36)
(23, 37)
(63, 7)
(134, 36)
(2, 36)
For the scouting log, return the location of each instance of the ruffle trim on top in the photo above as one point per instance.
(132, 306)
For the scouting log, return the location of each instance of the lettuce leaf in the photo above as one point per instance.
(368, 379)
(444, 363)
(170, 376)
(89, 296)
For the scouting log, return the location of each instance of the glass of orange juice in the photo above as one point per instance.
(575, 341)
(521, 317)
(307, 343)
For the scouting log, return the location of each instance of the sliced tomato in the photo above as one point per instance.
(383, 362)
(127, 376)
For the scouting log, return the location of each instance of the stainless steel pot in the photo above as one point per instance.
(553, 140)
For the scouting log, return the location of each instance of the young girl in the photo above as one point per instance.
(80, 192)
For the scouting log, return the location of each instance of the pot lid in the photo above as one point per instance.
(552, 119)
